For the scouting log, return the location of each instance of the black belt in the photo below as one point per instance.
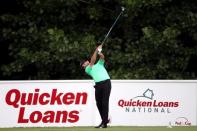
(101, 82)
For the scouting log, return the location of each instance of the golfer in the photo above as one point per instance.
(102, 84)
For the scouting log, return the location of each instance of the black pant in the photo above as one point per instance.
(102, 93)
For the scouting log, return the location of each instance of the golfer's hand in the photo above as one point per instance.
(100, 47)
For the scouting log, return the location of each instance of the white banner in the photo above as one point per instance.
(154, 103)
(72, 103)
(46, 103)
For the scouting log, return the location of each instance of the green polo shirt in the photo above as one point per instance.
(97, 71)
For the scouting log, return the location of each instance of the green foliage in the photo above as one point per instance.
(47, 39)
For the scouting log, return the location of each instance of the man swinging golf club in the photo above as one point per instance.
(101, 77)
(102, 84)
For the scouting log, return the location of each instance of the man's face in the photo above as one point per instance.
(86, 63)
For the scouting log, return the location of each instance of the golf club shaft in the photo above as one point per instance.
(111, 28)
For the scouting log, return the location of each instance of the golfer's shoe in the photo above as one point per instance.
(102, 125)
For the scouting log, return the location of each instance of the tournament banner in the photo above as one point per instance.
(72, 103)
(46, 103)
(154, 103)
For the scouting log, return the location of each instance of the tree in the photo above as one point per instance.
(47, 39)
(155, 47)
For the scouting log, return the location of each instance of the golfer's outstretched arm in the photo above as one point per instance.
(94, 56)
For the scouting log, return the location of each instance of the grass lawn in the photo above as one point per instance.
(115, 128)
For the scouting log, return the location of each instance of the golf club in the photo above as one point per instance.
(107, 35)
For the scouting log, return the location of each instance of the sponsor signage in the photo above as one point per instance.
(72, 103)
(46, 103)
(146, 103)
(154, 103)
(20, 100)
(182, 121)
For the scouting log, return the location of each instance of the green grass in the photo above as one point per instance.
(192, 128)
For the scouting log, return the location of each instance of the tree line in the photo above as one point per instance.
(47, 39)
